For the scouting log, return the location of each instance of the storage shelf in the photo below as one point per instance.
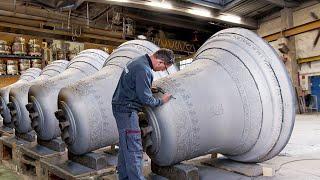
(9, 76)
(19, 56)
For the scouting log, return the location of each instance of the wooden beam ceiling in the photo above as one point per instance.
(58, 34)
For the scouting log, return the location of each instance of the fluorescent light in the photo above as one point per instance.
(199, 12)
(163, 5)
(230, 18)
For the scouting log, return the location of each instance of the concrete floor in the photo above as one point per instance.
(300, 160)
(301, 157)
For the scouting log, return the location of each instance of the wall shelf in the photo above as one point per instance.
(19, 56)
(9, 76)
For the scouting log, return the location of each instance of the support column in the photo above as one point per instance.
(291, 63)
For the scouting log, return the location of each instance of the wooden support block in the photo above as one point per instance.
(113, 148)
(214, 155)
(54, 144)
(247, 169)
(98, 159)
(178, 171)
(29, 137)
(92, 160)
(268, 171)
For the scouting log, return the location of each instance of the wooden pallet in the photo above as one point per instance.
(9, 152)
(6, 131)
(71, 170)
(29, 157)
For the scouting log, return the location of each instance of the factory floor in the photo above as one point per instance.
(300, 160)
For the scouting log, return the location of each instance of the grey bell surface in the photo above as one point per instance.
(236, 99)
(43, 96)
(28, 76)
(19, 96)
(160, 89)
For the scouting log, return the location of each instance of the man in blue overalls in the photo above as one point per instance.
(132, 93)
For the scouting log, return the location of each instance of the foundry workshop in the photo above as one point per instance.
(159, 89)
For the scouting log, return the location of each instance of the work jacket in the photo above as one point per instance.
(134, 87)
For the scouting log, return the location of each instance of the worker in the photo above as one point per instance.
(133, 92)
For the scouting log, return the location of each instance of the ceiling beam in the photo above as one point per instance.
(6, 5)
(77, 4)
(231, 5)
(86, 36)
(168, 20)
(245, 22)
(50, 4)
(47, 17)
(33, 21)
(101, 14)
(207, 4)
(283, 3)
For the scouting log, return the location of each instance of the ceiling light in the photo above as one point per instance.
(230, 18)
(199, 12)
(163, 5)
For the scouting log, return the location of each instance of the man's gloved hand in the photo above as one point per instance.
(154, 89)
(166, 96)
(157, 90)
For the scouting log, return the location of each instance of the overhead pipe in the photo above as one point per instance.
(18, 96)
(28, 76)
(85, 112)
(42, 97)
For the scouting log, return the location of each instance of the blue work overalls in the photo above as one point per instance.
(130, 162)
(132, 93)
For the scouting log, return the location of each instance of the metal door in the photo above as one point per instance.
(315, 87)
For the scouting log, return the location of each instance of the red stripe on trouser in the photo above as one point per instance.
(133, 131)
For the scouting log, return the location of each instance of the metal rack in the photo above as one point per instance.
(19, 56)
